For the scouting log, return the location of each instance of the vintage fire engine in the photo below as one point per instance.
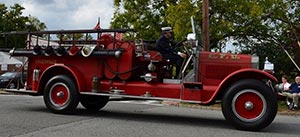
(92, 72)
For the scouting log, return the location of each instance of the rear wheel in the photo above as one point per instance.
(93, 103)
(61, 95)
(249, 105)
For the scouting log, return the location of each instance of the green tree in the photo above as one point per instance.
(262, 27)
(179, 15)
(13, 20)
(145, 16)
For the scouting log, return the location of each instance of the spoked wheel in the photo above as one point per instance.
(249, 105)
(93, 103)
(61, 95)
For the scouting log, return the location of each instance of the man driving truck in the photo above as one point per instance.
(167, 48)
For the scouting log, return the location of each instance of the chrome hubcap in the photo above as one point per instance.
(60, 94)
(248, 105)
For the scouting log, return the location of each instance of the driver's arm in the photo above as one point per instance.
(176, 45)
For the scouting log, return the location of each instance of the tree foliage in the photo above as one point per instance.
(11, 19)
(263, 27)
(145, 16)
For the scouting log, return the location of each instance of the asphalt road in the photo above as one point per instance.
(26, 116)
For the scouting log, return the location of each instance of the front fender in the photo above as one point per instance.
(249, 73)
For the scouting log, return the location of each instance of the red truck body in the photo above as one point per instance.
(92, 71)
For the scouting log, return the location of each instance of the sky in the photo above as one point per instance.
(68, 14)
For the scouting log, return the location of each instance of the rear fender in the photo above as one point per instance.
(248, 73)
(58, 69)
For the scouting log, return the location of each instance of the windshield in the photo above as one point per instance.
(9, 74)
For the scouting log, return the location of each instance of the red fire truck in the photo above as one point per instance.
(92, 72)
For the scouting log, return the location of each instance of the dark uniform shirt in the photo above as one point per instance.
(295, 88)
(165, 46)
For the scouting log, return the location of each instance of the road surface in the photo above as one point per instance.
(26, 116)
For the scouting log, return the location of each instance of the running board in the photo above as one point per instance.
(144, 97)
(22, 91)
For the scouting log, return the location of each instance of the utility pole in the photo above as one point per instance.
(205, 25)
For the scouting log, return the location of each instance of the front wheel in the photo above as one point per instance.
(249, 105)
(61, 95)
